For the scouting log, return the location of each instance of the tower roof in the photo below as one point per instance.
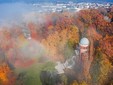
(84, 41)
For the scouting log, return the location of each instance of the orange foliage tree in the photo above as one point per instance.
(55, 43)
(106, 45)
(6, 75)
(93, 17)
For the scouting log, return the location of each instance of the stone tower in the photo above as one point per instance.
(84, 48)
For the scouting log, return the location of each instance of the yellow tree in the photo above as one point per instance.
(100, 68)
(77, 83)
(55, 43)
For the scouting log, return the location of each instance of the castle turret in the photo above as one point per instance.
(84, 45)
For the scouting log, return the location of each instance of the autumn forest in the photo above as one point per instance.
(28, 48)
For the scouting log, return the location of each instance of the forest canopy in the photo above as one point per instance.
(38, 44)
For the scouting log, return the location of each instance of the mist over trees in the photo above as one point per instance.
(54, 37)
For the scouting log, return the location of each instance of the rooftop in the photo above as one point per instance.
(84, 41)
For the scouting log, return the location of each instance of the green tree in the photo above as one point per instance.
(100, 68)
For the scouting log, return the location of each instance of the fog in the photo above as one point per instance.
(12, 16)
(16, 12)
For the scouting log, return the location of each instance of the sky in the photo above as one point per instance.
(36, 1)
